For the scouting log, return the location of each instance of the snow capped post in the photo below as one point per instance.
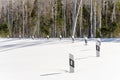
(86, 40)
(33, 37)
(98, 43)
(60, 37)
(71, 63)
(8, 36)
(73, 39)
(20, 36)
(48, 37)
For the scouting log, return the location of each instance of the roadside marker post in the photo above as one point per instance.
(71, 63)
(86, 40)
(73, 39)
(48, 37)
(98, 43)
(60, 37)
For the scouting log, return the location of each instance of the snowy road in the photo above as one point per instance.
(41, 59)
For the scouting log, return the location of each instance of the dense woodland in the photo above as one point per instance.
(78, 18)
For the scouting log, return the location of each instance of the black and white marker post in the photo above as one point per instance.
(73, 39)
(33, 37)
(60, 37)
(8, 36)
(48, 37)
(98, 43)
(71, 63)
(20, 36)
(86, 40)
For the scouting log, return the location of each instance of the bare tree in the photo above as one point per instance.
(52, 14)
(74, 13)
(76, 17)
(81, 18)
(23, 2)
(94, 18)
(91, 19)
(100, 16)
(38, 18)
(114, 11)
(8, 16)
(64, 17)
(106, 11)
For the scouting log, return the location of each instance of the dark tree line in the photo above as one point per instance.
(39, 18)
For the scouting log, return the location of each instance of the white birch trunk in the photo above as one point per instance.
(106, 11)
(64, 17)
(74, 13)
(52, 4)
(76, 17)
(26, 7)
(55, 26)
(8, 16)
(100, 18)
(81, 18)
(23, 18)
(114, 11)
(38, 18)
(91, 19)
(94, 18)
(12, 19)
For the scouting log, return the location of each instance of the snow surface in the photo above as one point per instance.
(42, 59)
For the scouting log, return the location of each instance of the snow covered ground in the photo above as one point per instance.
(42, 59)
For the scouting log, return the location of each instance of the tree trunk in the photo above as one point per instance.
(114, 11)
(74, 13)
(100, 18)
(38, 19)
(76, 17)
(64, 17)
(94, 18)
(23, 19)
(91, 20)
(8, 18)
(81, 18)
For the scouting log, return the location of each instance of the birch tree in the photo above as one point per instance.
(23, 15)
(38, 33)
(91, 19)
(81, 18)
(106, 12)
(64, 17)
(114, 11)
(8, 16)
(52, 14)
(100, 17)
(55, 25)
(76, 17)
(94, 18)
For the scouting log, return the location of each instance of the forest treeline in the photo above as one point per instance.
(60, 17)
